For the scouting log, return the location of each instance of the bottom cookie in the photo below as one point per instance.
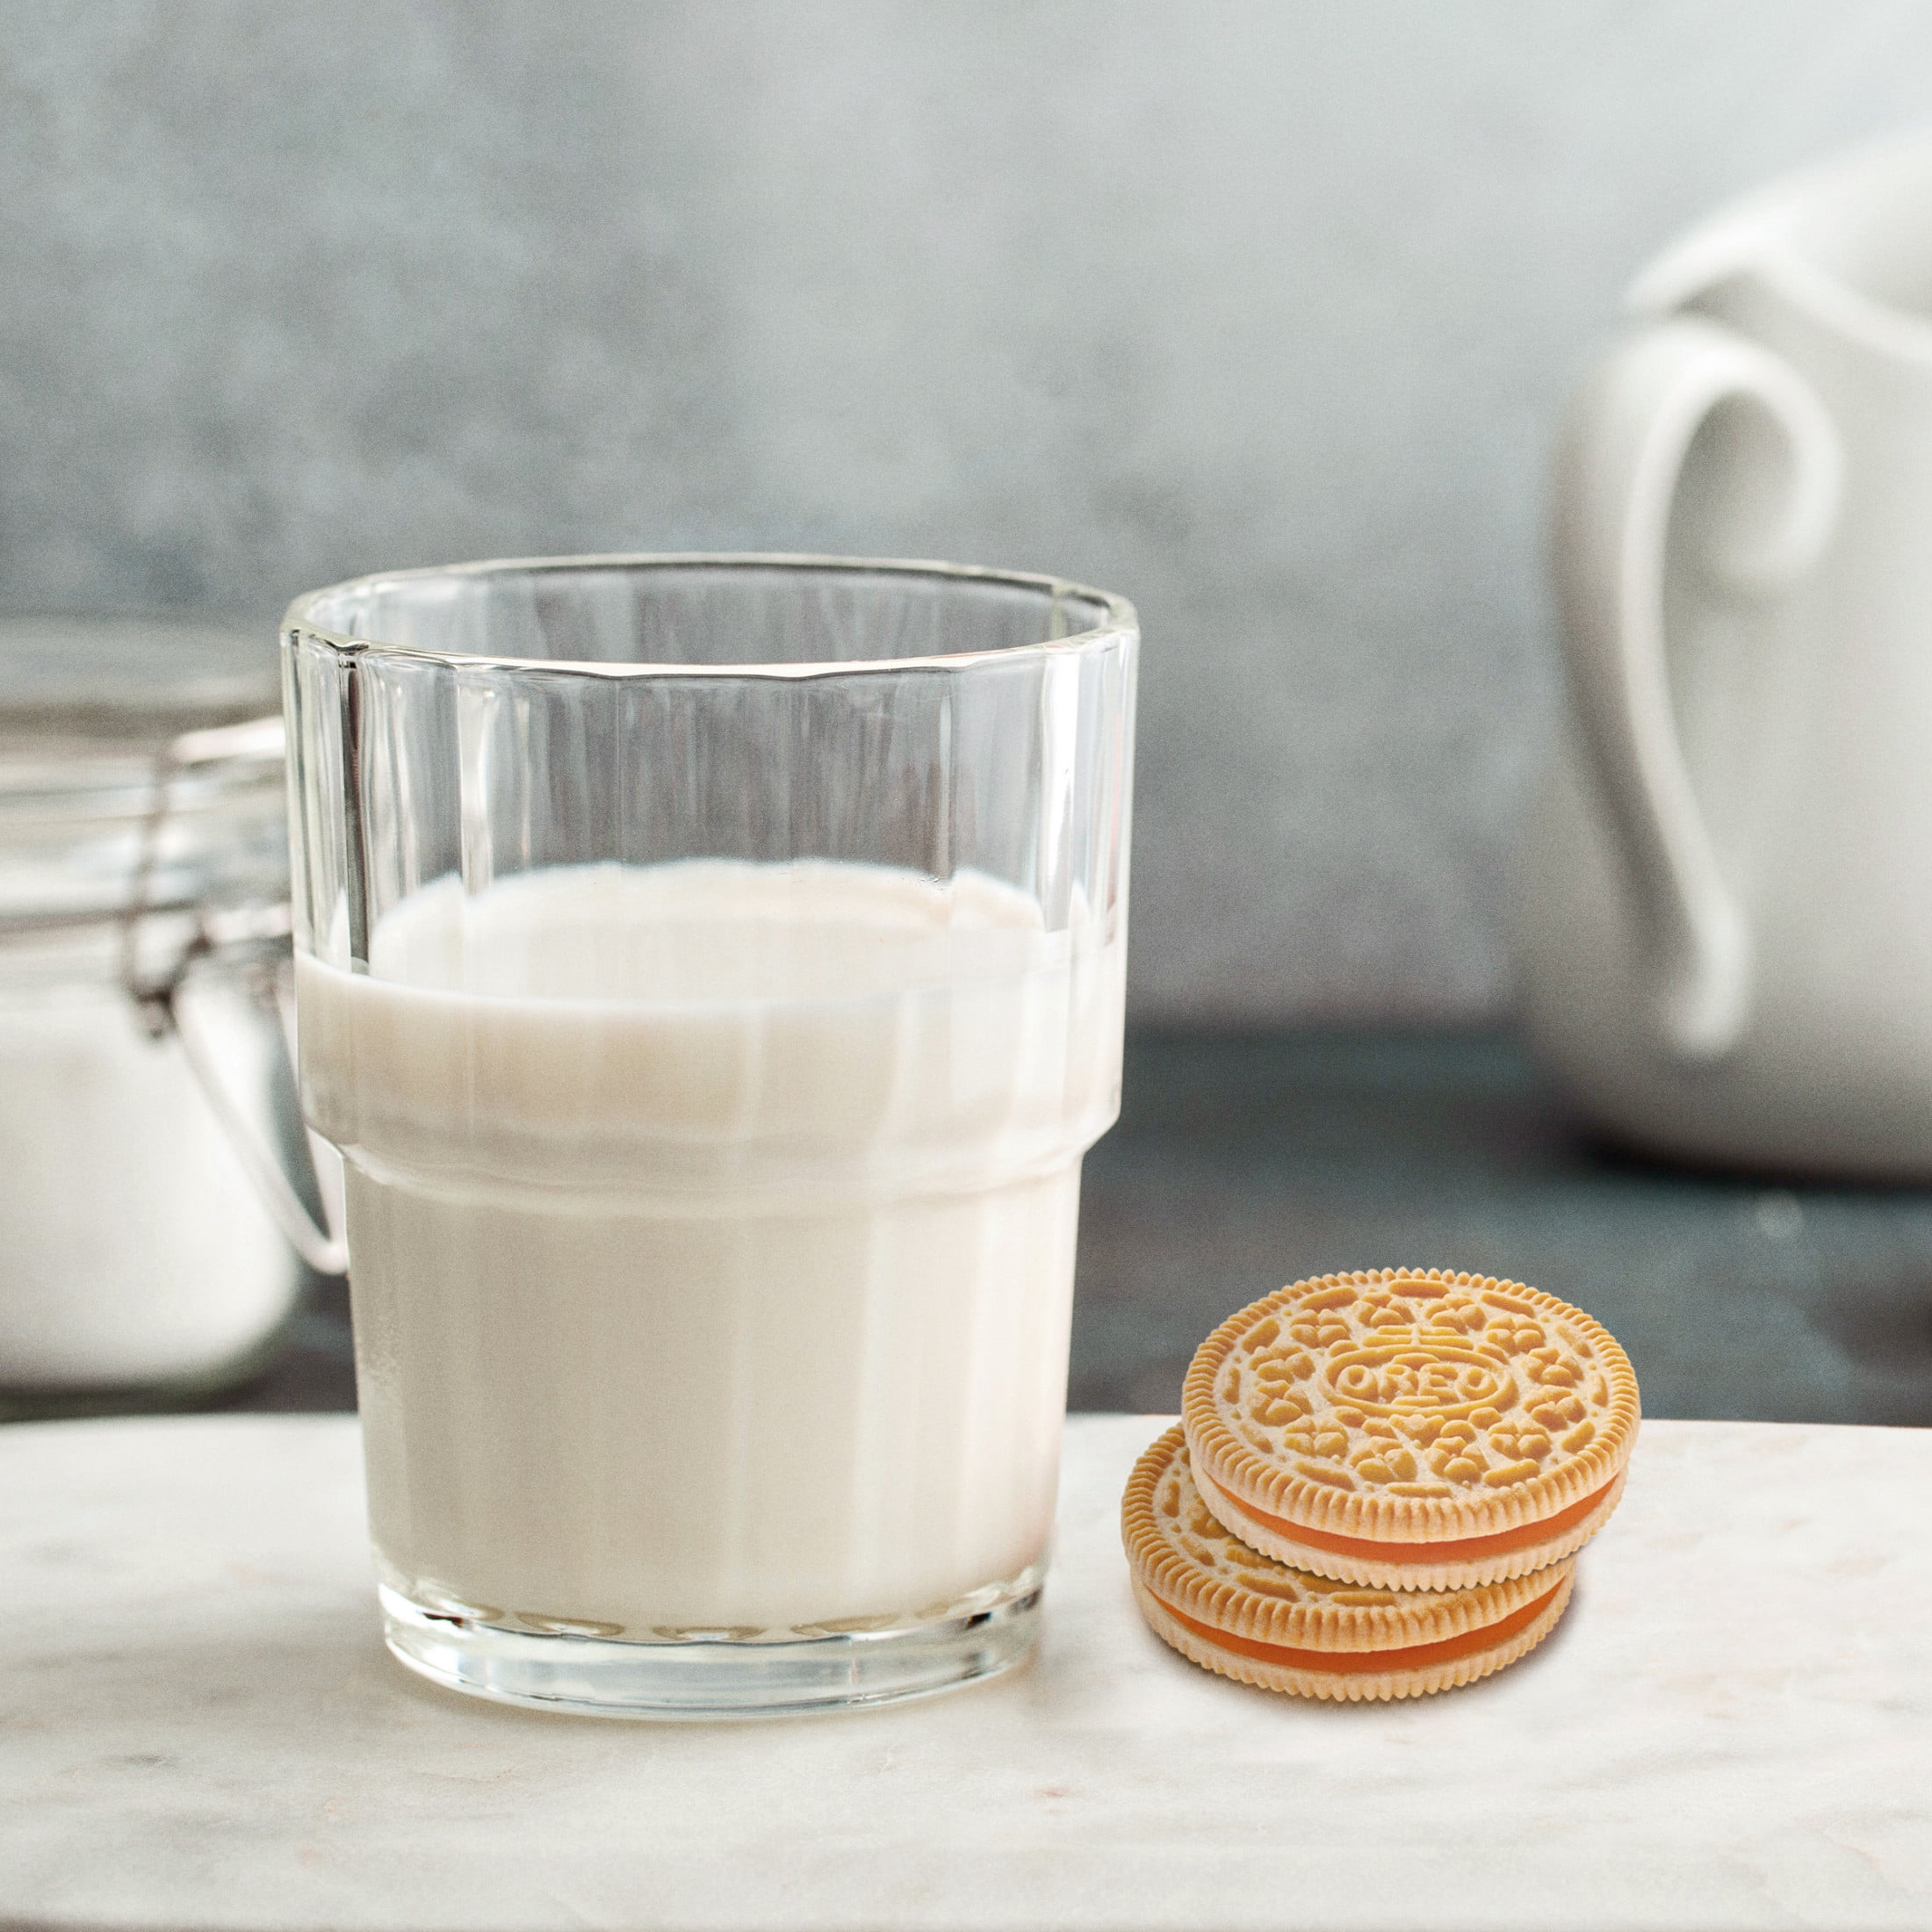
(1363, 1677)
(1237, 1610)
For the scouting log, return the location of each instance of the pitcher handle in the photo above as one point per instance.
(1619, 463)
(155, 994)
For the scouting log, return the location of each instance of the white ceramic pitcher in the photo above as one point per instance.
(1725, 936)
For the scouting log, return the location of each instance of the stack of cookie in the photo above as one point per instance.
(1379, 1482)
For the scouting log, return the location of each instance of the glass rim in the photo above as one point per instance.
(1121, 621)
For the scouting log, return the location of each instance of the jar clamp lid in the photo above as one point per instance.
(142, 792)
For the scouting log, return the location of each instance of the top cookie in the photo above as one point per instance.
(1422, 1429)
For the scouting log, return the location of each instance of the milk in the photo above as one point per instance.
(712, 1230)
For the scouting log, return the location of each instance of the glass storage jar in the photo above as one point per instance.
(147, 1123)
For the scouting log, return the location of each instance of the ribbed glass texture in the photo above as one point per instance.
(652, 710)
(710, 969)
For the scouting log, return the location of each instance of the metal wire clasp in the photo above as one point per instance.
(213, 930)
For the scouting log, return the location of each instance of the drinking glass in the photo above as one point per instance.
(710, 969)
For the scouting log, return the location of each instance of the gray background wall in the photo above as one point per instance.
(1259, 311)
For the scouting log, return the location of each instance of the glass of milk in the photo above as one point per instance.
(711, 971)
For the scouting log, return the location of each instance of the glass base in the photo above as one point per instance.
(699, 1678)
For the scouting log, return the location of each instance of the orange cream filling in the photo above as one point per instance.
(1357, 1662)
(1503, 1541)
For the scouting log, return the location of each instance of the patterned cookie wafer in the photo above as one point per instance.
(1422, 1429)
(1241, 1613)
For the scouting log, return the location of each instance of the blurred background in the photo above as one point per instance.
(1261, 313)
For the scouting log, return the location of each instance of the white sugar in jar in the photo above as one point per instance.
(138, 1261)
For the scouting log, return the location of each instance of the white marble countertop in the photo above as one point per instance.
(199, 1727)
